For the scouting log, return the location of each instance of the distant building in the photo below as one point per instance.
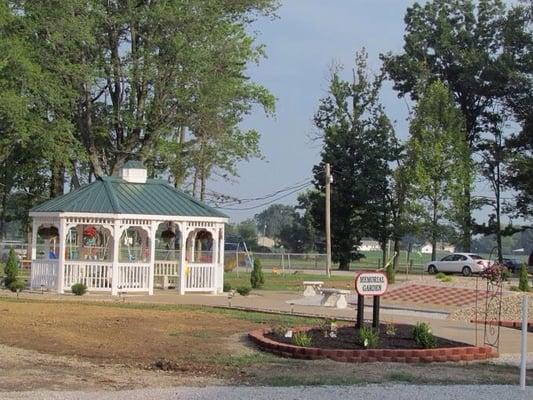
(265, 241)
(441, 247)
(369, 245)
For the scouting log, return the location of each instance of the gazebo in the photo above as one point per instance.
(127, 234)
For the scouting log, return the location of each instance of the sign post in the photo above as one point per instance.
(369, 284)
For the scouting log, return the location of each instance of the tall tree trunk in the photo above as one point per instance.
(497, 188)
(396, 250)
(383, 253)
(344, 264)
(434, 227)
(57, 180)
(75, 180)
(466, 239)
(3, 215)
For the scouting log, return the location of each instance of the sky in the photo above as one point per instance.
(301, 45)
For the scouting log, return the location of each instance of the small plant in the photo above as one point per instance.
(257, 278)
(280, 329)
(301, 339)
(390, 329)
(368, 337)
(494, 273)
(523, 283)
(244, 290)
(446, 279)
(11, 270)
(422, 335)
(226, 288)
(17, 286)
(506, 274)
(79, 289)
(440, 275)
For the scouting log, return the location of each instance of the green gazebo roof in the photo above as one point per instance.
(111, 195)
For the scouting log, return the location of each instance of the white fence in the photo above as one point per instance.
(44, 274)
(200, 278)
(95, 275)
(133, 277)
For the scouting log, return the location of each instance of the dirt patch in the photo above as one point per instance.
(347, 338)
(134, 337)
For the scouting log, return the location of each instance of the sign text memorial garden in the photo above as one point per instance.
(369, 284)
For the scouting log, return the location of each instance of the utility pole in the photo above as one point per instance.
(328, 220)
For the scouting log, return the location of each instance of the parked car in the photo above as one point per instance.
(465, 263)
(512, 264)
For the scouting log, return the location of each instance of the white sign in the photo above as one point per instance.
(371, 283)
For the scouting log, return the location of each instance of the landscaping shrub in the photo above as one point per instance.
(244, 290)
(226, 288)
(79, 289)
(280, 329)
(440, 275)
(301, 339)
(16, 286)
(11, 269)
(523, 283)
(422, 335)
(446, 279)
(368, 337)
(390, 329)
(257, 278)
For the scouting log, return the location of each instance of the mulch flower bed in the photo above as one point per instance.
(347, 339)
(400, 347)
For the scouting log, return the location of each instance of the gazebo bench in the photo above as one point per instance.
(334, 298)
(312, 288)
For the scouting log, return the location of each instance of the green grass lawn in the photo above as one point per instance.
(288, 282)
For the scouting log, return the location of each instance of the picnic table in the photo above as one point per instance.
(334, 297)
(312, 288)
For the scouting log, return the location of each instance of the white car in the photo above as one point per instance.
(465, 263)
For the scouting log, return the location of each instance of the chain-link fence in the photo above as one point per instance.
(413, 263)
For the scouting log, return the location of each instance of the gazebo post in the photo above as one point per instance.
(61, 258)
(181, 278)
(214, 259)
(34, 228)
(114, 270)
(153, 231)
(220, 282)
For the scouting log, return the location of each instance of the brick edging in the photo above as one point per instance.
(463, 353)
(506, 323)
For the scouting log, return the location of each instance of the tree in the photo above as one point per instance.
(274, 219)
(358, 142)
(11, 269)
(438, 159)
(474, 51)
(257, 278)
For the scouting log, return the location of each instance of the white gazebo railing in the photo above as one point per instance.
(133, 277)
(44, 274)
(96, 275)
(200, 278)
(166, 273)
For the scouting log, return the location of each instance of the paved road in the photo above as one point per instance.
(367, 392)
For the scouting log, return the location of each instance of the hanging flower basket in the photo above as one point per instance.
(90, 232)
(167, 235)
(48, 232)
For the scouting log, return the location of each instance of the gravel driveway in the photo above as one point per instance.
(367, 392)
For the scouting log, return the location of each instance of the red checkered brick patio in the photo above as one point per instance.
(447, 296)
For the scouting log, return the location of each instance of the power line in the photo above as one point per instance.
(266, 203)
(295, 186)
